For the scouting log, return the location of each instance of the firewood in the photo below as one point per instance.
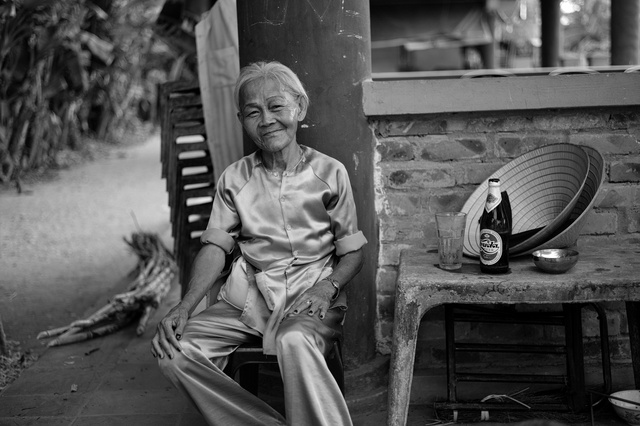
(65, 339)
(144, 319)
(154, 274)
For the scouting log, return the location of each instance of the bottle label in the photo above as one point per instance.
(492, 201)
(490, 247)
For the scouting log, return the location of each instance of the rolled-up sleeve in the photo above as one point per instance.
(219, 238)
(344, 220)
(350, 243)
(224, 223)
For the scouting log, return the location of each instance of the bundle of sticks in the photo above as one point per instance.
(153, 277)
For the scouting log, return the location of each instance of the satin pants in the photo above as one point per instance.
(312, 396)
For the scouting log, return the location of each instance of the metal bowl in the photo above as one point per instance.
(555, 261)
(628, 412)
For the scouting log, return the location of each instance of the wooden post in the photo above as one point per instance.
(328, 45)
(550, 32)
(625, 32)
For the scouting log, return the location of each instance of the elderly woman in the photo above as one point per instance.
(288, 210)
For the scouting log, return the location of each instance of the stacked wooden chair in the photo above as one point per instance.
(187, 169)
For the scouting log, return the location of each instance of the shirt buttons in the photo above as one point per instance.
(282, 198)
(275, 174)
(295, 253)
(288, 227)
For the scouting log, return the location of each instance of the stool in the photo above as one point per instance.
(244, 363)
(570, 318)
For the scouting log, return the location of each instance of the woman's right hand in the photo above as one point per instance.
(169, 332)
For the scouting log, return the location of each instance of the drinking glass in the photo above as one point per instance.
(450, 227)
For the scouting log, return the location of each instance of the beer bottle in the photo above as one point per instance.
(495, 231)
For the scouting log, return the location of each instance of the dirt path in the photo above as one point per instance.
(61, 248)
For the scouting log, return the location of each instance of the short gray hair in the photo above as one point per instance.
(275, 71)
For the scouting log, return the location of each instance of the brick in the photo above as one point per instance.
(505, 123)
(381, 128)
(624, 120)
(453, 148)
(386, 306)
(388, 233)
(617, 196)
(390, 253)
(383, 343)
(430, 176)
(601, 222)
(510, 144)
(474, 173)
(634, 129)
(567, 121)
(408, 229)
(616, 142)
(631, 219)
(447, 200)
(396, 150)
(425, 126)
(478, 123)
(627, 170)
(462, 123)
(386, 280)
(403, 204)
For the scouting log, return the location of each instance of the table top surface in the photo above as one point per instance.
(597, 264)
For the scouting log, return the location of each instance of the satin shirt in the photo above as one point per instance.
(290, 227)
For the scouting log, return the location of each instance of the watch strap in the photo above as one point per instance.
(335, 285)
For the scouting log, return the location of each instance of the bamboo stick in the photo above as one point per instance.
(100, 314)
(53, 332)
(89, 334)
(144, 319)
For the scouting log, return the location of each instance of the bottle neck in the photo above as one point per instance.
(494, 197)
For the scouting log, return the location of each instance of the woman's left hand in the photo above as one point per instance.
(315, 301)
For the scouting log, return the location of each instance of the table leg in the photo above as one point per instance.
(403, 352)
(633, 322)
(575, 356)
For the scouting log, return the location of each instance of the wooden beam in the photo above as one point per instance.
(406, 97)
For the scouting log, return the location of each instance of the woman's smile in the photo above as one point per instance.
(270, 116)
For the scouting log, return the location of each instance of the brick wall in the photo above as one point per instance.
(431, 163)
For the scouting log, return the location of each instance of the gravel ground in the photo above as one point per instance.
(62, 253)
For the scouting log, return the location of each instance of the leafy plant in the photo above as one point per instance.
(69, 69)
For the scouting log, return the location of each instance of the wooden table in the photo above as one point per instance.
(603, 273)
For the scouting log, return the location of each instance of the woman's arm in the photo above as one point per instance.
(206, 269)
(207, 266)
(348, 267)
(319, 297)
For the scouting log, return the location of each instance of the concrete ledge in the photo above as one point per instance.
(416, 97)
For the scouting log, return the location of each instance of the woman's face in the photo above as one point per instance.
(270, 115)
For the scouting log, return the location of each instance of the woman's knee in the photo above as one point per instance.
(293, 334)
(179, 361)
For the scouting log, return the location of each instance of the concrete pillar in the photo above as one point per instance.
(550, 33)
(328, 45)
(625, 32)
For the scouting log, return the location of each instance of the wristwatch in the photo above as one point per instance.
(335, 285)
